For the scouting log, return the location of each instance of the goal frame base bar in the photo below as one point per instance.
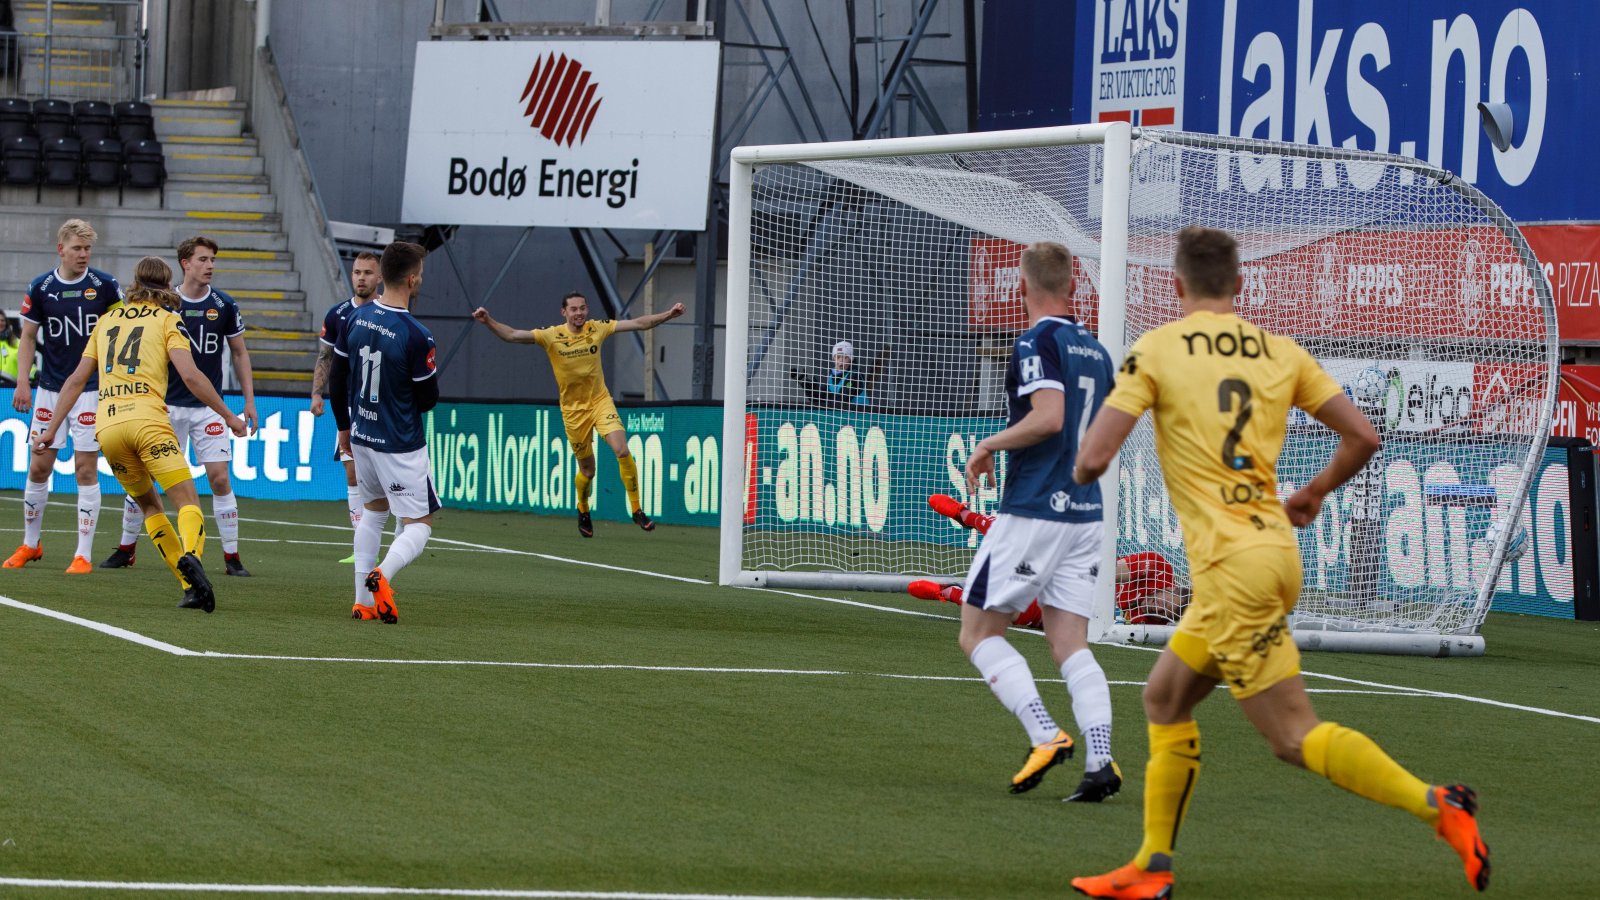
(831, 581)
(1392, 643)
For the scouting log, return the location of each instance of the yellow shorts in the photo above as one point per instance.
(1235, 628)
(583, 421)
(140, 451)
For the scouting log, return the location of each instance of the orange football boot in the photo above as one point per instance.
(1127, 883)
(23, 556)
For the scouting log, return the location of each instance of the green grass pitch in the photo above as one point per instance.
(322, 751)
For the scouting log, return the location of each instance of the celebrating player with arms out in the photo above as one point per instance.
(1219, 389)
(385, 373)
(586, 407)
(1046, 541)
(137, 341)
(65, 303)
(212, 320)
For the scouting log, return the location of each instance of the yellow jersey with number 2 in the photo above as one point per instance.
(1219, 390)
(130, 345)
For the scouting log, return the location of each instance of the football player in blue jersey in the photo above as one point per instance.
(215, 325)
(364, 284)
(1046, 541)
(58, 315)
(385, 373)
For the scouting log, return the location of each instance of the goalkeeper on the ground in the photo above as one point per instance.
(1147, 591)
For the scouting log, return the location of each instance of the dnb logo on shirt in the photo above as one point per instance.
(214, 429)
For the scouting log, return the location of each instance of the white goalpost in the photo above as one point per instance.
(872, 303)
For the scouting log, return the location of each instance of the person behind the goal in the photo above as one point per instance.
(1219, 389)
(131, 348)
(1045, 543)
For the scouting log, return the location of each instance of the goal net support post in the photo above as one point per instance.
(872, 302)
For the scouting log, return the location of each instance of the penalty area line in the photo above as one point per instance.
(376, 891)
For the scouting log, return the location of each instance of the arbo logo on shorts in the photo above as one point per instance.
(42, 415)
(214, 429)
(86, 418)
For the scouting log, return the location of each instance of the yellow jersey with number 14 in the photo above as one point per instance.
(575, 357)
(1219, 390)
(130, 345)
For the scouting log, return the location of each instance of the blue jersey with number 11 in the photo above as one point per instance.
(388, 351)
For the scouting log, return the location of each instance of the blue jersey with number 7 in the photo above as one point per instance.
(1061, 355)
(388, 352)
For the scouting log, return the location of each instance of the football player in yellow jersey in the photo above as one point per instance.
(136, 341)
(1219, 389)
(586, 407)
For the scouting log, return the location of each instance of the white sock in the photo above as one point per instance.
(399, 529)
(132, 522)
(1007, 673)
(405, 548)
(353, 497)
(34, 497)
(88, 517)
(1091, 706)
(225, 507)
(369, 535)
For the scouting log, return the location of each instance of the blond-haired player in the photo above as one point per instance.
(1219, 389)
(58, 315)
(130, 349)
(586, 407)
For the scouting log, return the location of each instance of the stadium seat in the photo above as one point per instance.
(52, 119)
(63, 161)
(135, 122)
(16, 117)
(19, 160)
(145, 165)
(93, 120)
(102, 163)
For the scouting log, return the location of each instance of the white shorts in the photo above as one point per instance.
(203, 427)
(82, 428)
(404, 479)
(1022, 559)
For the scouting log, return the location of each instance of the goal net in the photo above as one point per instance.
(873, 301)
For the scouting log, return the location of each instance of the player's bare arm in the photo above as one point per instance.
(71, 390)
(503, 331)
(247, 381)
(200, 386)
(645, 323)
(1046, 412)
(1101, 442)
(27, 343)
(1358, 440)
(319, 378)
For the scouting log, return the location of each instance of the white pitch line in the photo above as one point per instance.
(1400, 690)
(374, 891)
(101, 627)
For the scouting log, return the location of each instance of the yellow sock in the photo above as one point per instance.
(1169, 779)
(1356, 763)
(192, 529)
(580, 483)
(159, 527)
(630, 480)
